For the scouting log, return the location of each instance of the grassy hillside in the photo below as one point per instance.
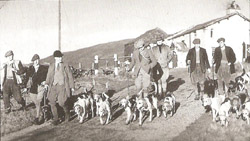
(86, 55)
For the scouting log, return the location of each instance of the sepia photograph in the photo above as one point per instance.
(125, 70)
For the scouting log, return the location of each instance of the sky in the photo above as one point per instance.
(31, 26)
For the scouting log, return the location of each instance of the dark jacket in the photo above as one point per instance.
(230, 58)
(37, 77)
(203, 59)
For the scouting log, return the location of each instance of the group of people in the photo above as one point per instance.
(223, 59)
(57, 80)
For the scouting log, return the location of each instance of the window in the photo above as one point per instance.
(211, 33)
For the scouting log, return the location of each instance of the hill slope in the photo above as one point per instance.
(86, 55)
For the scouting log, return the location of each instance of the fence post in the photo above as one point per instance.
(107, 62)
(116, 64)
(80, 65)
(96, 64)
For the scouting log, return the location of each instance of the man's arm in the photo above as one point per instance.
(153, 59)
(131, 65)
(188, 58)
(21, 69)
(207, 65)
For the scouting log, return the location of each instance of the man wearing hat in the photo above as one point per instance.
(224, 59)
(36, 75)
(163, 56)
(60, 84)
(12, 70)
(197, 61)
(143, 62)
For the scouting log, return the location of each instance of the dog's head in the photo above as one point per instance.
(206, 101)
(167, 106)
(97, 97)
(223, 120)
(140, 103)
(245, 114)
(102, 110)
(77, 108)
(124, 103)
(235, 103)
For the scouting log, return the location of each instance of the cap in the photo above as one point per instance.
(197, 41)
(58, 53)
(9, 53)
(221, 39)
(35, 57)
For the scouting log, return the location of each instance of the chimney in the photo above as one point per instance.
(233, 8)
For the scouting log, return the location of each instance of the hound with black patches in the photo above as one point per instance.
(224, 112)
(246, 111)
(144, 104)
(103, 105)
(130, 108)
(169, 105)
(237, 103)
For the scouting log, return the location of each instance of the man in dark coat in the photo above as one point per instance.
(60, 83)
(198, 62)
(224, 59)
(36, 75)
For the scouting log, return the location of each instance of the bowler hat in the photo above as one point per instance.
(9, 53)
(221, 39)
(35, 57)
(197, 41)
(139, 43)
(58, 53)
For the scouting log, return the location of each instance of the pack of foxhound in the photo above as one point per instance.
(137, 106)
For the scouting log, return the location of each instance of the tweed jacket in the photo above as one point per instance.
(230, 58)
(68, 78)
(204, 63)
(20, 70)
(147, 61)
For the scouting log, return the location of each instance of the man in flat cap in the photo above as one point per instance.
(143, 62)
(163, 56)
(36, 75)
(10, 80)
(224, 59)
(60, 84)
(198, 61)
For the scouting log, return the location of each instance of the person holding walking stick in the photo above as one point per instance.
(198, 61)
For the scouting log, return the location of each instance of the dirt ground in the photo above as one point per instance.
(189, 123)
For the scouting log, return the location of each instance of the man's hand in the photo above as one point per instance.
(209, 70)
(46, 86)
(188, 62)
(43, 83)
(14, 70)
(229, 64)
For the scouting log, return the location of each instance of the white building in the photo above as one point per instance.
(234, 27)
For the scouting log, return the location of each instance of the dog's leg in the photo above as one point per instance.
(128, 115)
(213, 110)
(149, 109)
(92, 107)
(248, 122)
(134, 115)
(97, 109)
(101, 120)
(165, 114)
(140, 117)
(155, 104)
